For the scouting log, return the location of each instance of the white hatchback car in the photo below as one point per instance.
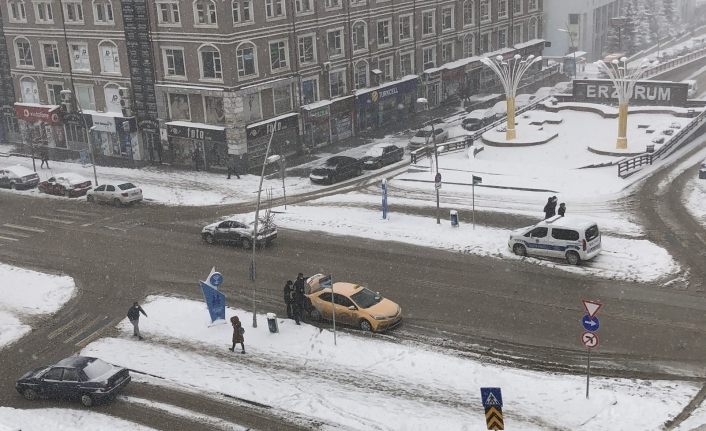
(567, 238)
(424, 137)
(116, 193)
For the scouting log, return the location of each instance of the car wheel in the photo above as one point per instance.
(359, 172)
(30, 394)
(247, 243)
(379, 165)
(519, 250)
(365, 325)
(315, 315)
(90, 198)
(332, 179)
(573, 258)
(209, 238)
(116, 202)
(86, 400)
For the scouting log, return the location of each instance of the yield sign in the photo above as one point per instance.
(591, 307)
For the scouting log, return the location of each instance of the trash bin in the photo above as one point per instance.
(272, 322)
(650, 148)
(454, 218)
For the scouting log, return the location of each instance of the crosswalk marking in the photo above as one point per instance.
(81, 213)
(72, 216)
(62, 328)
(8, 238)
(7, 232)
(85, 327)
(24, 228)
(52, 220)
(95, 334)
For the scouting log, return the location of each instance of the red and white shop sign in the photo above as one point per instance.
(38, 114)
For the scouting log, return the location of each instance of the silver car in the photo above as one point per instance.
(115, 193)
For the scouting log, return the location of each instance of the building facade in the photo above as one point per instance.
(210, 80)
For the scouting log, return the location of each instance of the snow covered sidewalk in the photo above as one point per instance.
(56, 419)
(369, 384)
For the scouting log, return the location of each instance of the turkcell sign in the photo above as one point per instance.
(659, 93)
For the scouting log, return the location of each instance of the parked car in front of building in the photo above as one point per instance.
(382, 155)
(233, 231)
(335, 169)
(90, 380)
(478, 119)
(425, 136)
(18, 177)
(69, 184)
(115, 193)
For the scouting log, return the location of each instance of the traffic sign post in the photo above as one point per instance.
(492, 400)
(437, 186)
(475, 180)
(589, 338)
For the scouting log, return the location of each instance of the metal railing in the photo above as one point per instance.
(671, 64)
(629, 166)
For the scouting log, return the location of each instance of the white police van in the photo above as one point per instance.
(567, 238)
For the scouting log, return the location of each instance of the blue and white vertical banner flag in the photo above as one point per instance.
(384, 199)
(215, 301)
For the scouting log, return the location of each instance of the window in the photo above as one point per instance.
(358, 2)
(205, 12)
(282, 99)
(303, 6)
(210, 59)
(484, 10)
(168, 13)
(75, 136)
(517, 7)
(538, 232)
(43, 12)
(565, 234)
(242, 11)
(310, 90)
(468, 46)
(73, 12)
(502, 38)
(252, 107)
(341, 300)
(279, 55)
(532, 5)
(592, 233)
(17, 11)
(360, 74)
(447, 52)
(85, 97)
(337, 82)
(468, 12)
(333, 4)
(23, 53)
(213, 107)
(484, 43)
(517, 34)
(502, 8)
(53, 374)
(246, 60)
(384, 36)
(406, 64)
(360, 36)
(307, 49)
(334, 41)
(447, 19)
(179, 107)
(274, 9)
(428, 23)
(428, 57)
(30, 91)
(110, 62)
(54, 93)
(112, 98)
(79, 57)
(574, 19)
(174, 62)
(533, 28)
(405, 27)
(103, 12)
(385, 66)
(70, 375)
(51, 55)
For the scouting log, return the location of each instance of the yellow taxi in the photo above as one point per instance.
(355, 305)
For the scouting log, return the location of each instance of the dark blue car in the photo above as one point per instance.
(90, 380)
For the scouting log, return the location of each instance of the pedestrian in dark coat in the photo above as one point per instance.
(288, 299)
(134, 315)
(299, 290)
(549, 209)
(238, 332)
(562, 209)
(45, 158)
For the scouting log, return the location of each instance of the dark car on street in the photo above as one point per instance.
(18, 177)
(90, 380)
(335, 169)
(382, 155)
(68, 184)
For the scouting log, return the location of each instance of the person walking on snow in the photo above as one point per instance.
(562, 209)
(550, 208)
(45, 159)
(288, 302)
(299, 289)
(134, 315)
(238, 332)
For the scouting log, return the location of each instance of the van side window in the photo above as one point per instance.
(538, 232)
(592, 233)
(565, 234)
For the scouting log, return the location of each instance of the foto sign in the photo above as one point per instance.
(656, 93)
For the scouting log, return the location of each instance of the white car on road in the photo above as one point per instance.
(425, 136)
(115, 193)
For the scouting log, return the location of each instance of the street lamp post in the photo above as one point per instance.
(624, 80)
(573, 46)
(510, 73)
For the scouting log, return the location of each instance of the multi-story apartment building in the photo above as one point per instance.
(211, 79)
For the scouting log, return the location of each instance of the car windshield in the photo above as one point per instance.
(366, 298)
(423, 134)
(374, 152)
(126, 186)
(97, 368)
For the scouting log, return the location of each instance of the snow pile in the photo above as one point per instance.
(26, 293)
(62, 420)
(364, 384)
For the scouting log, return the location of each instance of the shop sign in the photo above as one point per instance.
(198, 133)
(38, 114)
(103, 123)
(381, 94)
(319, 112)
(149, 126)
(657, 93)
(276, 125)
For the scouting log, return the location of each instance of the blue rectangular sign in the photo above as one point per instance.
(215, 301)
(491, 397)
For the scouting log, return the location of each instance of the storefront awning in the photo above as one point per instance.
(198, 131)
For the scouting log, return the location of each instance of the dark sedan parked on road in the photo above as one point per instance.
(18, 177)
(78, 377)
(382, 155)
(335, 169)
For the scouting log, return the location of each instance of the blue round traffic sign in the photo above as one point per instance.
(216, 279)
(591, 324)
